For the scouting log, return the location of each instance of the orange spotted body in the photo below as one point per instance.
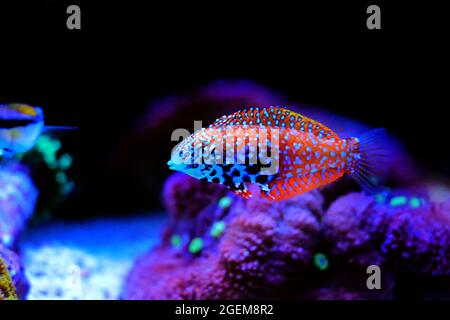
(308, 162)
(284, 152)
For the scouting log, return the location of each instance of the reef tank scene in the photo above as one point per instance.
(205, 179)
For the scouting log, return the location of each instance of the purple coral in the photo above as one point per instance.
(366, 232)
(265, 249)
(420, 239)
(18, 196)
(17, 200)
(269, 244)
(185, 196)
(345, 285)
(264, 245)
(348, 228)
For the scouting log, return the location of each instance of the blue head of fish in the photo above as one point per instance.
(183, 160)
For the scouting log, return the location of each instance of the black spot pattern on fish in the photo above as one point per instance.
(216, 180)
(254, 169)
(236, 173)
(228, 181)
(262, 179)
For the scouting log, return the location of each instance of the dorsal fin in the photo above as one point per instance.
(275, 117)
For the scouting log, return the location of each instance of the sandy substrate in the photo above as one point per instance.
(86, 260)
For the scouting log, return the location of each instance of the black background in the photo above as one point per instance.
(102, 77)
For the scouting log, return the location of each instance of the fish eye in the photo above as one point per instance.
(187, 154)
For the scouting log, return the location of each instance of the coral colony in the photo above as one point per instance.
(259, 249)
(22, 151)
(226, 233)
(13, 282)
(7, 289)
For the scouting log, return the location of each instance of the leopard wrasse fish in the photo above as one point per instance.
(284, 152)
(20, 126)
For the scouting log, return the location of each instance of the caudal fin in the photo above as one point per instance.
(370, 170)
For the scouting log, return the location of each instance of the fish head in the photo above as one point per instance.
(185, 159)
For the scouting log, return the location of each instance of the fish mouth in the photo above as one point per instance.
(170, 164)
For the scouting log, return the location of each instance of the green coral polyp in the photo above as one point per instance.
(65, 161)
(48, 147)
(217, 229)
(414, 202)
(225, 202)
(196, 245)
(380, 198)
(321, 261)
(175, 241)
(398, 201)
